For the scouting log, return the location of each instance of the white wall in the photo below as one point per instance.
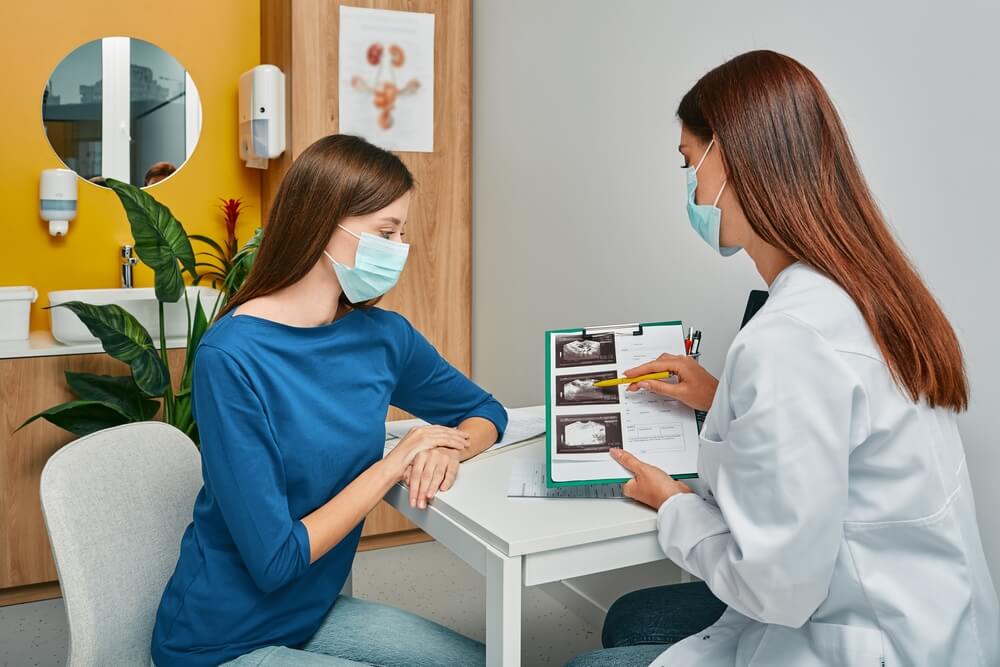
(576, 169)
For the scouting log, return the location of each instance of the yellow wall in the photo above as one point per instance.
(215, 40)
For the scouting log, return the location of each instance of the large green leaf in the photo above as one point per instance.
(81, 417)
(160, 240)
(182, 417)
(117, 390)
(199, 326)
(126, 340)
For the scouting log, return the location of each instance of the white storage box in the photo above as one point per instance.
(15, 310)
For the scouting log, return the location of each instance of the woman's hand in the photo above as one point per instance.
(695, 387)
(431, 471)
(649, 485)
(422, 439)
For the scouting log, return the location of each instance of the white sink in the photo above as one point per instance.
(139, 301)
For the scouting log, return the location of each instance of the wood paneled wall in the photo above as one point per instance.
(435, 291)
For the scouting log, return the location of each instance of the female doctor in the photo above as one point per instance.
(835, 523)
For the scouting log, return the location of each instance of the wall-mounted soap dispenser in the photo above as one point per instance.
(57, 193)
(262, 115)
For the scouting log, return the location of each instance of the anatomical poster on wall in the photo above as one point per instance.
(387, 78)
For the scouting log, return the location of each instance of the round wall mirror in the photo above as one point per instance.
(121, 108)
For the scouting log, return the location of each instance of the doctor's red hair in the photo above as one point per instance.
(789, 161)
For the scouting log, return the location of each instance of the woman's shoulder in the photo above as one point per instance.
(228, 341)
(806, 299)
(774, 331)
(383, 316)
(246, 335)
(388, 321)
(221, 334)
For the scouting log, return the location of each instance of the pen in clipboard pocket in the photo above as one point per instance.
(692, 342)
(693, 345)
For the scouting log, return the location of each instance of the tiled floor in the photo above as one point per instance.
(33, 635)
(423, 578)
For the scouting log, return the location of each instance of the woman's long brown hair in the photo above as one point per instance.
(788, 159)
(337, 177)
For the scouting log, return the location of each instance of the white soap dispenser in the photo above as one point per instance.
(261, 115)
(57, 193)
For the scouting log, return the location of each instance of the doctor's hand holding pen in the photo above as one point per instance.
(695, 387)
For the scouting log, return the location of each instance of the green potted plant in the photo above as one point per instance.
(162, 244)
(226, 265)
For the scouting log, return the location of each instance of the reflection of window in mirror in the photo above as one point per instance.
(71, 110)
(122, 108)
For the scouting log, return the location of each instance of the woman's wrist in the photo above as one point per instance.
(387, 472)
(454, 453)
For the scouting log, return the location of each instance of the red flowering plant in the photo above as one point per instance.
(225, 264)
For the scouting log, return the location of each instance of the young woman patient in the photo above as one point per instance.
(291, 388)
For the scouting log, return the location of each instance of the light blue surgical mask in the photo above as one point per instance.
(377, 265)
(706, 219)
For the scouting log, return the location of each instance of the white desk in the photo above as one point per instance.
(527, 541)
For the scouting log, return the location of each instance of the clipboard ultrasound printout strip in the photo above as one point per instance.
(584, 422)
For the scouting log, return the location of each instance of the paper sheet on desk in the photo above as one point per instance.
(527, 480)
(523, 424)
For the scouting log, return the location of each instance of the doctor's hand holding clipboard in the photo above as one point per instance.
(833, 522)
(694, 387)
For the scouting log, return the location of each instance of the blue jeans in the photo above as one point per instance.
(641, 625)
(357, 632)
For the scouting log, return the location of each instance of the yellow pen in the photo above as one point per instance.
(638, 378)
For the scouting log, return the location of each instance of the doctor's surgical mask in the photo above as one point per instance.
(706, 219)
(378, 263)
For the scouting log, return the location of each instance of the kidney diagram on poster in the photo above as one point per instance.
(387, 78)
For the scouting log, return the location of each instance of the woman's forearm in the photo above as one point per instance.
(335, 519)
(482, 435)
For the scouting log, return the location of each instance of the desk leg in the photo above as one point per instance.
(503, 611)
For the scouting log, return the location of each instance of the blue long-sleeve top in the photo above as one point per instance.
(288, 417)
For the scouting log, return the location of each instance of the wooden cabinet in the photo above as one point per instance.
(29, 385)
(435, 291)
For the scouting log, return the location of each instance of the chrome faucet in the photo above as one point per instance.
(128, 260)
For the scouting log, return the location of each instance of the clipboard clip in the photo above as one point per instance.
(634, 329)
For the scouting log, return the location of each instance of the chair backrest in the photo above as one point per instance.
(116, 503)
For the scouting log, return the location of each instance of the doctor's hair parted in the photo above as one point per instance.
(788, 158)
(337, 177)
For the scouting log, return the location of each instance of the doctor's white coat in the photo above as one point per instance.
(835, 516)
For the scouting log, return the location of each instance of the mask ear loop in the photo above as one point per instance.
(719, 196)
(354, 234)
(357, 236)
(704, 155)
(698, 166)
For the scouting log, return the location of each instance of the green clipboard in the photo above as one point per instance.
(549, 482)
